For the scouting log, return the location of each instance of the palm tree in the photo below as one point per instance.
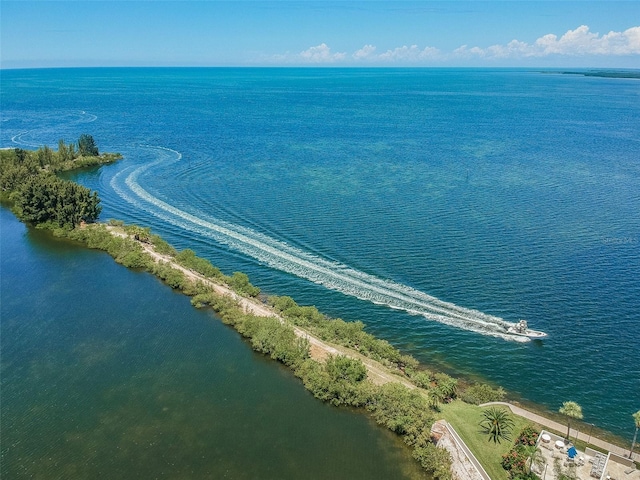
(571, 410)
(636, 417)
(435, 398)
(497, 424)
(534, 457)
(447, 385)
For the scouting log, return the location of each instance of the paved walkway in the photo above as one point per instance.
(463, 446)
(563, 428)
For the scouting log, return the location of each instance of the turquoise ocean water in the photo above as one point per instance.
(437, 206)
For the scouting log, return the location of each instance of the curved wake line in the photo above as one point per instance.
(84, 118)
(91, 117)
(17, 139)
(282, 256)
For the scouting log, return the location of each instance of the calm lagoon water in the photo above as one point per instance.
(108, 373)
(435, 205)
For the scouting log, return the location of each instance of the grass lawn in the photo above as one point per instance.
(466, 419)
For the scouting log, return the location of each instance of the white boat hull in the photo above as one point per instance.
(521, 329)
(533, 334)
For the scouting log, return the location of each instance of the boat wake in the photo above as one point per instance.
(26, 138)
(282, 256)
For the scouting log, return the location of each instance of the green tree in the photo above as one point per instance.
(422, 379)
(87, 146)
(63, 152)
(571, 410)
(497, 424)
(344, 368)
(240, 283)
(480, 393)
(340, 380)
(282, 303)
(434, 460)
(447, 385)
(435, 398)
(44, 156)
(46, 198)
(636, 418)
(139, 233)
(534, 457)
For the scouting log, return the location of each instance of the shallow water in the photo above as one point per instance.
(462, 199)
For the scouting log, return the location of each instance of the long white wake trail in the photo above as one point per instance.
(282, 256)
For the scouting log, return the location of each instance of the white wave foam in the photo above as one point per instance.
(90, 117)
(17, 139)
(282, 256)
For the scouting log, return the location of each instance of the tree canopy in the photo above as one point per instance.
(87, 146)
(497, 424)
(571, 410)
(47, 198)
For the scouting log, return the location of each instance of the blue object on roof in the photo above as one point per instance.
(572, 452)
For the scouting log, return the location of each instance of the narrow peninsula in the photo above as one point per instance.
(336, 360)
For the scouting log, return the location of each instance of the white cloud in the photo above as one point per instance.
(410, 54)
(365, 52)
(575, 43)
(578, 42)
(321, 54)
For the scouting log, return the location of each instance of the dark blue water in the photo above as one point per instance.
(107, 373)
(435, 205)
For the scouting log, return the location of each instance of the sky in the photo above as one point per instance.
(391, 33)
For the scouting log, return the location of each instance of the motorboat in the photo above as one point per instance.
(522, 330)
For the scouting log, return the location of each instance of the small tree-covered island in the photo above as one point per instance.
(28, 182)
(336, 360)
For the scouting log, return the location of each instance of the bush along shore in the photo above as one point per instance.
(337, 361)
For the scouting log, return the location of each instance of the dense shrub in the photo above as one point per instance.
(514, 461)
(239, 282)
(403, 411)
(348, 334)
(518, 460)
(340, 380)
(268, 335)
(161, 246)
(422, 379)
(188, 259)
(436, 461)
(205, 299)
(172, 277)
(480, 393)
(527, 437)
(124, 250)
(281, 304)
(303, 316)
(446, 386)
